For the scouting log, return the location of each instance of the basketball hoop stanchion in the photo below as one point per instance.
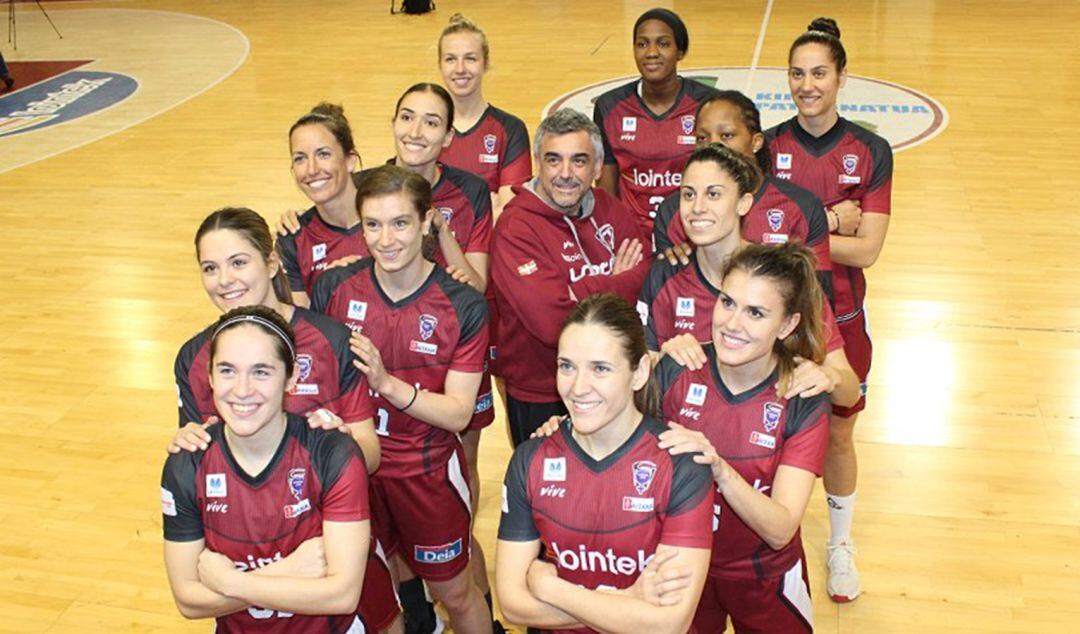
(13, 32)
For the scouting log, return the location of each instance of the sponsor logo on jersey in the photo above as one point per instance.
(629, 124)
(687, 122)
(254, 563)
(903, 116)
(606, 235)
(784, 176)
(684, 307)
(298, 509)
(567, 245)
(357, 309)
(483, 403)
(489, 158)
(689, 412)
(637, 505)
(428, 323)
(589, 270)
(573, 257)
(643, 312)
(489, 143)
(60, 99)
(695, 394)
(527, 269)
(684, 324)
(296, 482)
(761, 487)
(597, 561)
(215, 485)
(783, 161)
(850, 163)
(168, 502)
(628, 137)
(552, 491)
(305, 389)
(438, 554)
(775, 218)
(492, 351)
(652, 178)
(318, 252)
(423, 348)
(762, 440)
(686, 140)
(850, 180)
(217, 507)
(774, 238)
(643, 473)
(770, 418)
(554, 469)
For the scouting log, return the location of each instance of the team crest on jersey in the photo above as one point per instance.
(304, 364)
(695, 395)
(783, 161)
(644, 471)
(771, 417)
(489, 143)
(447, 213)
(775, 218)
(606, 234)
(427, 326)
(296, 482)
(851, 163)
(687, 124)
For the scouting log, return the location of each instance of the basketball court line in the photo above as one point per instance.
(757, 47)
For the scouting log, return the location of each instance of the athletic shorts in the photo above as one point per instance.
(484, 413)
(524, 417)
(427, 518)
(379, 604)
(859, 350)
(771, 606)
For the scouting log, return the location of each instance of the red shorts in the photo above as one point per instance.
(859, 350)
(770, 606)
(379, 604)
(427, 518)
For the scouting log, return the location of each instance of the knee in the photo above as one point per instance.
(457, 593)
(841, 432)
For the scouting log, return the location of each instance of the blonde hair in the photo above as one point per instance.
(461, 24)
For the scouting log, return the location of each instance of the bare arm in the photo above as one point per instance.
(516, 600)
(621, 611)
(346, 547)
(363, 432)
(862, 249)
(457, 258)
(192, 597)
(499, 200)
(301, 299)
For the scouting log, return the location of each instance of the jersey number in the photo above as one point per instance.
(384, 422)
(259, 613)
(716, 517)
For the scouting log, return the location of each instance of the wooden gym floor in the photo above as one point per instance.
(968, 515)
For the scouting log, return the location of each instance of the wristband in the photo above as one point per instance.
(416, 392)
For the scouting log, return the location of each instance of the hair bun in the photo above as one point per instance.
(458, 18)
(329, 109)
(825, 25)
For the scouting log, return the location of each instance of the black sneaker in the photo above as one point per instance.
(9, 81)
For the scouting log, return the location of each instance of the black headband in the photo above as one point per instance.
(672, 19)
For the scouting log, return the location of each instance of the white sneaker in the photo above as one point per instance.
(843, 584)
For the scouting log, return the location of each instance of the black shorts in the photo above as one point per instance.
(524, 418)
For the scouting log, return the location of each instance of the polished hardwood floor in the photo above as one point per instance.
(969, 496)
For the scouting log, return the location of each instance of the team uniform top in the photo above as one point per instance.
(650, 150)
(441, 326)
(601, 521)
(781, 212)
(756, 432)
(327, 376)
(678, 299)
(314, 476)
(496, 149)
(306, 253)
(846, 163)
(539, 257)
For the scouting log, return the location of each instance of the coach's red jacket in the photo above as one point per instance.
(541, 260)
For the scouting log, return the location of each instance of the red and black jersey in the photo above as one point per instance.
(600, 521)
(496, 149)
(650, 150)
(306, 253)
(756, 432)
(314, 476)
(846, 163)
(678, 299)
(327, 376)
(441, 326)
(541, 260)
(781, 212)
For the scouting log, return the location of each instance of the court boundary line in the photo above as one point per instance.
(756, 57)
